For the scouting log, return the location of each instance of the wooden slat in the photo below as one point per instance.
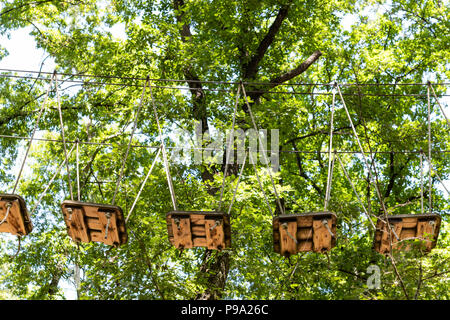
(305, 246)
(15, 223)
(198, 230)
(77, 225)
(304, 222)
(182, 235)
(93, 223)
(425, 231)
(198, 242)
(287, 244)
(197, 219)
(215, 238)
(304, 233)
(408, 233)
(321, 236)
(113, 235)
(409, 222)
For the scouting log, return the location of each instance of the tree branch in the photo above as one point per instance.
(251, 68)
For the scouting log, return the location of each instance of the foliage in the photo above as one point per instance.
(397, 43)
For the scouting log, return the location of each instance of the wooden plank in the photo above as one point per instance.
(91, 211)
(288, 245)
(198, 219)
(321, 236)
(304, 222)
(198, 230)
(409, 222)
(77, 225)
(408, 233)
(425, 232)
(198, 242)
(304, 233)
(113, 235)
(305, 246)
(94, 223)
(215, 237)
(182, 235)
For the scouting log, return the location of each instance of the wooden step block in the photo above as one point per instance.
(293, 233)
(424, 227)
(88, 222)
(18, 221)
(210, 229)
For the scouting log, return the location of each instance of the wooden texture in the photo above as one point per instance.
(199, 229)
(89, 221)
(309, 231)
(215, 237)
(423, 227)
(18, 221)
(182, 235)
(288, 245)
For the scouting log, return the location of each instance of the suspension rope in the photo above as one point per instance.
(363, 154)
(119, 180)
(330, 161)
(41, 111)
(62, 134)
(260, 184)
(216, 149)
(354, 191)
(229, 147)
(143, 184)
(421, 183)
(429, 147)
(51, 181)
(164, 154)
(264, 153)
(237, 184)
(437, 175)
(437, 100)
(78, 171)
(8, 208)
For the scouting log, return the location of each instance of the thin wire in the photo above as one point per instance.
(442, 109)
(363, 155)
(237, 185)
(84, 83)
(229, 147)
(78, 172)
(429, 148)
(264, 153)
(129, 143)
(143, 184)
(421, 183)
(32, 135)
(217, 82)
(216, 149)
(50, 182)
(354, 191)
(330, 169)
(164, 154)
(437, 175)
(62, 134)
(259, 182)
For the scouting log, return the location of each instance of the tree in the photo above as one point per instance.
(270, 46)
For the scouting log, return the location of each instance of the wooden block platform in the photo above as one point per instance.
(293, 233)
(208, 229)
(18, 221)
(87, 222)
(424, 227)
